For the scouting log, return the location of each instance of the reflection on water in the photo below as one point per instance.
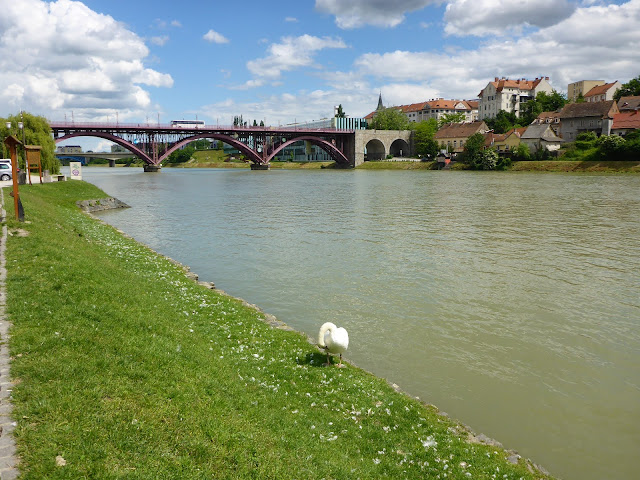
(511, 301)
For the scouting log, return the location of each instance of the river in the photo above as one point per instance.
(509, 300)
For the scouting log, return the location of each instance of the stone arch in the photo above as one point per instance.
(399, 148)
(375, 150)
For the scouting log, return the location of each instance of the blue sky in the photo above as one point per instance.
(286, 61)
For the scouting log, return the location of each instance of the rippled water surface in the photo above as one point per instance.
(510, 301)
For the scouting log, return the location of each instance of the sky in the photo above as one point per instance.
(294, 60)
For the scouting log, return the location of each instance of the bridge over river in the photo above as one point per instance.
(153, 143)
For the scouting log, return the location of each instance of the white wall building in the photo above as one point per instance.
(509, 95)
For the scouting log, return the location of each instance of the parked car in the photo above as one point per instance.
(5, 171)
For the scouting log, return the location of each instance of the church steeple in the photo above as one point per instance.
(380, 105)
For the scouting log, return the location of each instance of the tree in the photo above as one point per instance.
(340, 113)
(503, 122)
(544, 102)
(424, 132)
(390, 119)
(522, 152)
(631, 88)
(182, 155)
(473, 148)
(486, 160)
(36, 132)
(457, 117)
(255, 123)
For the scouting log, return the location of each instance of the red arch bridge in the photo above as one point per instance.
(154, 143)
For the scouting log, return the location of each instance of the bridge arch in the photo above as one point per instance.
(375, 149)
(107, 136)
(399, 148)
(327, 146)
(251, 154)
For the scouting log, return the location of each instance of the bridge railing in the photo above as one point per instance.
(200, 128)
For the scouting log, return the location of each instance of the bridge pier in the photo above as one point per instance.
(151, 168)
(260, 166)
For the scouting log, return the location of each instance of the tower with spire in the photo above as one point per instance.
(380, 105)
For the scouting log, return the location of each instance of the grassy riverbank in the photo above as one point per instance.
(126, 368)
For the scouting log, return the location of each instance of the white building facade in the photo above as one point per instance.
(509, 95)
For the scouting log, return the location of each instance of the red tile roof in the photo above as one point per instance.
(521, 83)
(599, 89)
(626, 120)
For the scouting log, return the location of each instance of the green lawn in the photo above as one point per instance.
(127, 369)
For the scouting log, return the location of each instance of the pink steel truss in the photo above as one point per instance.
(154, 143)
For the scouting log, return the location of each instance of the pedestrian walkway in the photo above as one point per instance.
(8, 457)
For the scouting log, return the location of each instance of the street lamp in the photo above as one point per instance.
(22, 176)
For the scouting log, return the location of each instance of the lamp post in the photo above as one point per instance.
(22, 175)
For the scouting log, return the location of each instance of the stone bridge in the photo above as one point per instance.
(379, 143)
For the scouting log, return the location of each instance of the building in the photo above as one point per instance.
(413, 111)
(439, 107)
(506, 142)
(509, 95)
(574, 90)
(602, 93)
(453, 136)
(435, 108)
(338, 123)
(596, 117)
(69, 149)
(549, 118)
(629, 103)
(541, 137)
(625, 122)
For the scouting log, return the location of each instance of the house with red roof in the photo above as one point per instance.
(505, 142)
(602, 93)
(509, 95)
(453, 136)
(625, 122)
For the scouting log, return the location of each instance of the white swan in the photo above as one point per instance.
(334, 340)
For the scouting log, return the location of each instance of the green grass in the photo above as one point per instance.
(603, 166)
(384, 165)
(128, 369)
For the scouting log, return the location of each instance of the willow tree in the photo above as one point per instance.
(36, 132)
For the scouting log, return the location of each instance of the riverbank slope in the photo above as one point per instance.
(126, 367)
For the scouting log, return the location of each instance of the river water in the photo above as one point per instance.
(509, 300)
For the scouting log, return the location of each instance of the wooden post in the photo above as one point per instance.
(12, 142)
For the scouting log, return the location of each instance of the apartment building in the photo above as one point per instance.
(509, 95)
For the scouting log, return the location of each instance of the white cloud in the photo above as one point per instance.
(501, 17)
(61, 56)
(215, 37)
(176, 23)
(291, 19)
(594, 42)
(380, 13)
(292, 53)
(160, 41)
